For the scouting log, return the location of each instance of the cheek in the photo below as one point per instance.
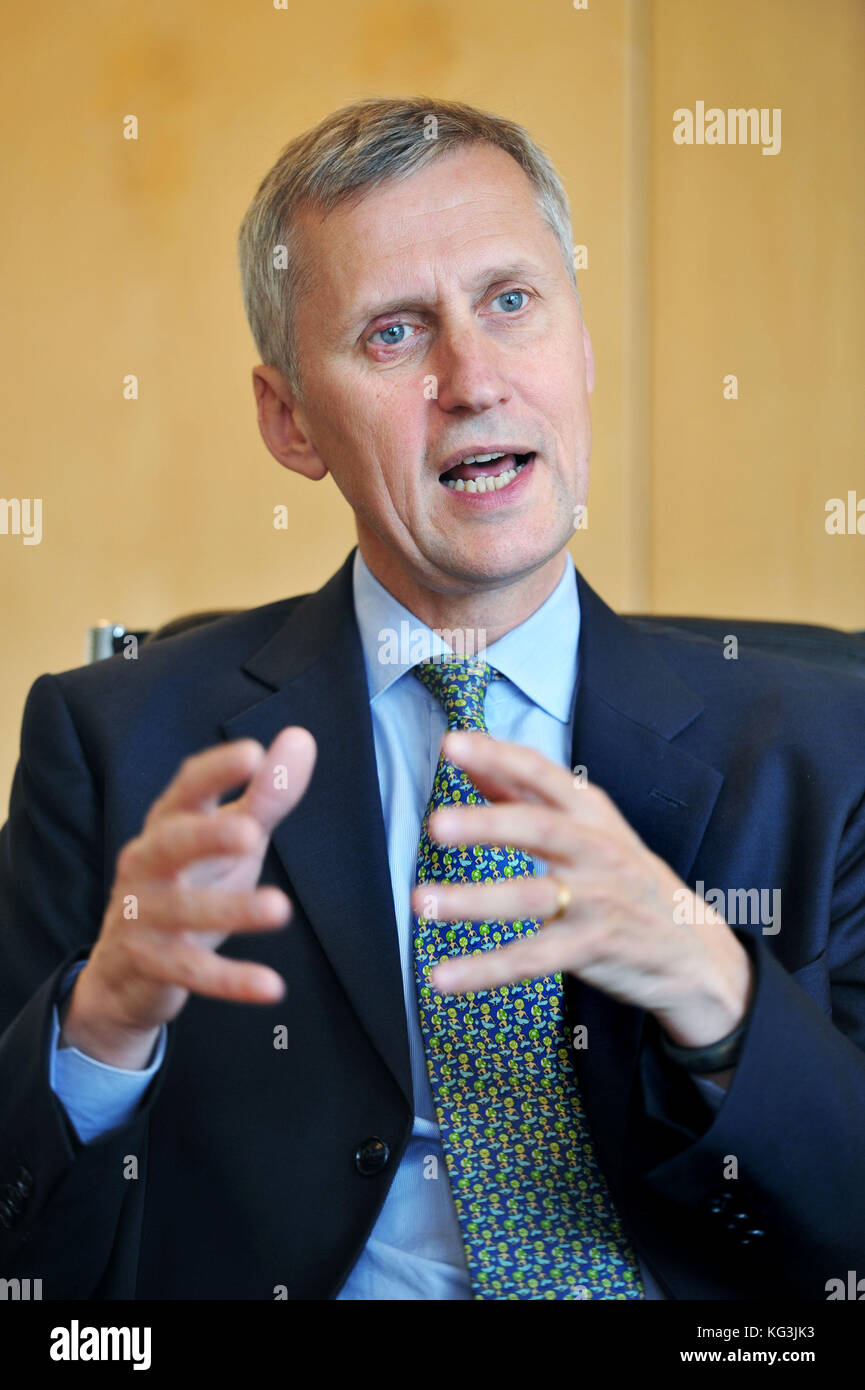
(567, 380)
(349, 428)
(394, 442)
(561, 401)
(375, 469)
(556, 374)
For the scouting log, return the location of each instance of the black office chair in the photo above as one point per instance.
(830, 647)
(107, 638)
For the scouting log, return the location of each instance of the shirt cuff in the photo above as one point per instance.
(96, 1096)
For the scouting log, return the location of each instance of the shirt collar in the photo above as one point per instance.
(539, 656)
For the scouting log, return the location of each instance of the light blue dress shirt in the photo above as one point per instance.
(415, 1250)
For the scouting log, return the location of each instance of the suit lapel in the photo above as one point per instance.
(630, 704)
(333, 844)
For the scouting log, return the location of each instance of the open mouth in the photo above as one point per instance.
(486, 472)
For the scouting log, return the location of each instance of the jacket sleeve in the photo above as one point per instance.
(785, 1153)
(69, 1212)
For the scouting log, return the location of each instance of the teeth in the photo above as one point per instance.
(485, 484)
(481, 458)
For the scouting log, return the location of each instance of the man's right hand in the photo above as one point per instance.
(181, 887)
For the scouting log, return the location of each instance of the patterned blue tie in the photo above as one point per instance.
(536, 1216)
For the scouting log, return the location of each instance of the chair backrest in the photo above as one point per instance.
(107, 638)
(186, 621)
(829, 647)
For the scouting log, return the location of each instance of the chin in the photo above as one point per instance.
(503, 560)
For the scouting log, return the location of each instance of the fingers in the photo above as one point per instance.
(535, 829)
(188, 880)
(540, 831)
(276, 779)
(179, 908)
(502, 900)
(510, 771)
(531, 958)
(204, 777)
(517, 779)
(183, 964)
(176, 841)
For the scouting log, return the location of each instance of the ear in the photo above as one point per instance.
(282, 424)
(590, 360)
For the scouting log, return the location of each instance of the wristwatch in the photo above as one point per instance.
(715, 1057)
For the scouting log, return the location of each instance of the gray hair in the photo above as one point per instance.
(352, 150)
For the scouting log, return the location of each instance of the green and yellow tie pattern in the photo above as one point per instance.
(536, 1216)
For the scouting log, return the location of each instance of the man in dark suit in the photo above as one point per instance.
(156, 1141)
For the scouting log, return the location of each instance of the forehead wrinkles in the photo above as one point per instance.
(383, 231)
(427, 270)
(412, 218)
(391, 232)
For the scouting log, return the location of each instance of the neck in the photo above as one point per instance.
(492, 610)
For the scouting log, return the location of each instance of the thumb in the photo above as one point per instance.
(281, 780)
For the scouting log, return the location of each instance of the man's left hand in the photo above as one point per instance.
(618, 932)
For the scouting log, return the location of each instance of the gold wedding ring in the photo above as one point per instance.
(563, 901)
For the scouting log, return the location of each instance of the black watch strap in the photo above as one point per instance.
(716, 1057)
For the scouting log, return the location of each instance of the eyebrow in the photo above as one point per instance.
(413, 304)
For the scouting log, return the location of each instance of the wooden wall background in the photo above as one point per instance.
(703, 261)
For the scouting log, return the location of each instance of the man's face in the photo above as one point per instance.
(442, 323)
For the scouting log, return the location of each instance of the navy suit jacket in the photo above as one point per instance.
(740, 774)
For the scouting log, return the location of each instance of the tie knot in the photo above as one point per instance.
(460, 686)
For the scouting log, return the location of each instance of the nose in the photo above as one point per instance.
(469, 369)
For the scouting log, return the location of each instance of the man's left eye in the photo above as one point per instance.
(511, 296)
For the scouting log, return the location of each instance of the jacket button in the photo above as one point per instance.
(8, 1217)
(752, 1236)
(24, 1180)
(372, 1156)
(738, 1221)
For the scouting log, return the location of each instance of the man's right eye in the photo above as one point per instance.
(391, 328)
